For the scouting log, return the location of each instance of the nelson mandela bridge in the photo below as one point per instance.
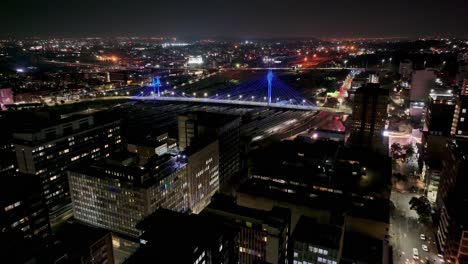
(267, 91)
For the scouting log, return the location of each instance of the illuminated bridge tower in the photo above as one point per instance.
(156, 84)
(269, 78)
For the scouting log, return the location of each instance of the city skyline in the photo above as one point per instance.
(251, 19)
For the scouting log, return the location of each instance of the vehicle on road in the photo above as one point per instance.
(415, 253)
(424, 248)
(423, 237)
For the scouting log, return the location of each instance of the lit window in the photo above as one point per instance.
(462, 119)
(296, 254)
(325, 252)
(464, 110)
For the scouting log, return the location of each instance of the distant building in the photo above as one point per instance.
(202, 173)
(6, 97)
(226, 128)
(369, 114)
(117, 193)
(315, 243)
(406, 69)
(171, 237)
(422, 81)
(47, 146)
(263, 235)
(373, 78)
(452, 231)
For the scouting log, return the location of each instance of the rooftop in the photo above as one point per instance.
(277, 217)
(308, 230)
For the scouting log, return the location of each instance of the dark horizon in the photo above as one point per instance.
(240, 19)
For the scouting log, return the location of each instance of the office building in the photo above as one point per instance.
(22, 210)
(315, 243)
(451, 202)
(7, 149)
(226, 128)
(84, 244)
(172, 237)
(263, 235)
(369, 114)
(46, 146)
(459, 126)
(149, 147)
(406, 69)
(359, 248)
(117, 193)
(440, 112)
(202, 160)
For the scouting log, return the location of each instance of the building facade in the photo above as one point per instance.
(369, 114)
(202, 173)
(226, 128)
(315, 243)
(452, 202)
(48, 148)
(263, 235)
(117, 193)
(460, 116)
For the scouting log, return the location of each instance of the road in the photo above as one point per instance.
(405, 231)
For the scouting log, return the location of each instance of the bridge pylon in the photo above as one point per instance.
(156, 86)
(269, 79)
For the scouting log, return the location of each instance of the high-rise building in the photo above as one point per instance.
(464, 89)
(46, 146)
(460, 116)
(7, 149)
(117, 193)
(263, 235)
(202, 160)
(452, 231)
(315, 243)
(369, 114)
(422, 81)
(440, 112)
(22, 209)
(172, 237)
(226, 128)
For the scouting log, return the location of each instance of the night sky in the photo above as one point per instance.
(240, 19)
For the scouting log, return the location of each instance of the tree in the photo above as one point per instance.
(396, 150)
(409, 150)
(400, 177)
(422, 207)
